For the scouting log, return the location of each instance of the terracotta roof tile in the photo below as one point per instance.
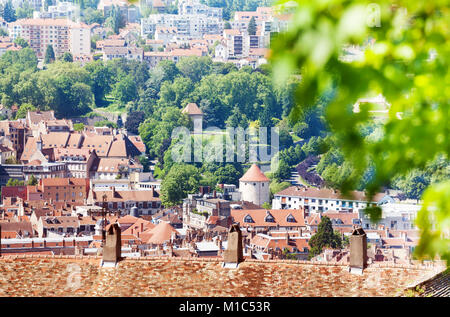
(254, 174)
(297, 191)
(196, 277)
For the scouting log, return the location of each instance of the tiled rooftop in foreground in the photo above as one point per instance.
(40, 275)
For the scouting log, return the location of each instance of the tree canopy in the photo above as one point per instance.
(405, 57)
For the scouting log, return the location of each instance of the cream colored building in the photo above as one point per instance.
(62, 34)
(254, 186)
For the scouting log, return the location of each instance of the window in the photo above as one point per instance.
(290, 218)
(248, 219)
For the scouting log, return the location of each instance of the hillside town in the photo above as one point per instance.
(195, 30)
(76, 183)
(92, 94)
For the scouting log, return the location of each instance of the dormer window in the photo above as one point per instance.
(290, 218)
(269, 217)
(248, 219)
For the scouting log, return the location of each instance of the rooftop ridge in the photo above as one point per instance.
(373, 266)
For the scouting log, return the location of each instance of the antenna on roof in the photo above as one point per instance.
(104, 211)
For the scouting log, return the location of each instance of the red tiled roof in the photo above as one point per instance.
(297, 191)
(65, 181)
(259, 217)
(163, 232)
(127, 195)
(194, 277)
(254, 174)
(192, 109)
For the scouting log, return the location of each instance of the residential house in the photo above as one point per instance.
(261, 220)
(321, 199)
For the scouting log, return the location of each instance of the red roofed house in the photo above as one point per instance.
(322, 199)
(65, 189)
(266, 220)
(147, 201)
(254, 186)
(14, 192)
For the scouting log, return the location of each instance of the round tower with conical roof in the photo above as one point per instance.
(254, 186)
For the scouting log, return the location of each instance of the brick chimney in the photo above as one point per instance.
(358, 251)
(113, 244)
(234, 253)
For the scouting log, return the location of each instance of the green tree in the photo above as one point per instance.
(66, 89)
(23, 110)
(78, 127)
(181, 180)
(125, 90)
(49, 54)
(91, 16)
(195, 67)
(413, 184)
(25, 10)
(101, 80)
(115, 19)
(283, 171)
(134, 119)
(21, 42)
(228, 174)
(251, 27)
(405, 59)
(105, 123)
(32, 181)
(324, 237)
(14, 182)
(9, 15)
(67, 57)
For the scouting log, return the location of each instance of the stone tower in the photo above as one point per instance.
(196, 115)
(254, 186)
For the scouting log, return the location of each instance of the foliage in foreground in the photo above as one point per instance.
(408, 64)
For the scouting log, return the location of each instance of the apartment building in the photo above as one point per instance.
(78, 161)
(322, 199)
(195, 7)
(147, 202)
(62, 9)
(63, 35)
(394, 216)
(112, 52)
(192, 25)
(14, 131)
(65, 189)
(234, 43)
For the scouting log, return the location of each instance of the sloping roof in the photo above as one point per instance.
(127, 195)
(37, 116)
(254, 174)
(68, 181)
(259, 217)
(161, 233)
(192, 109)
(438, 286)
(55, 139)
(326, 193)
(197, 277)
